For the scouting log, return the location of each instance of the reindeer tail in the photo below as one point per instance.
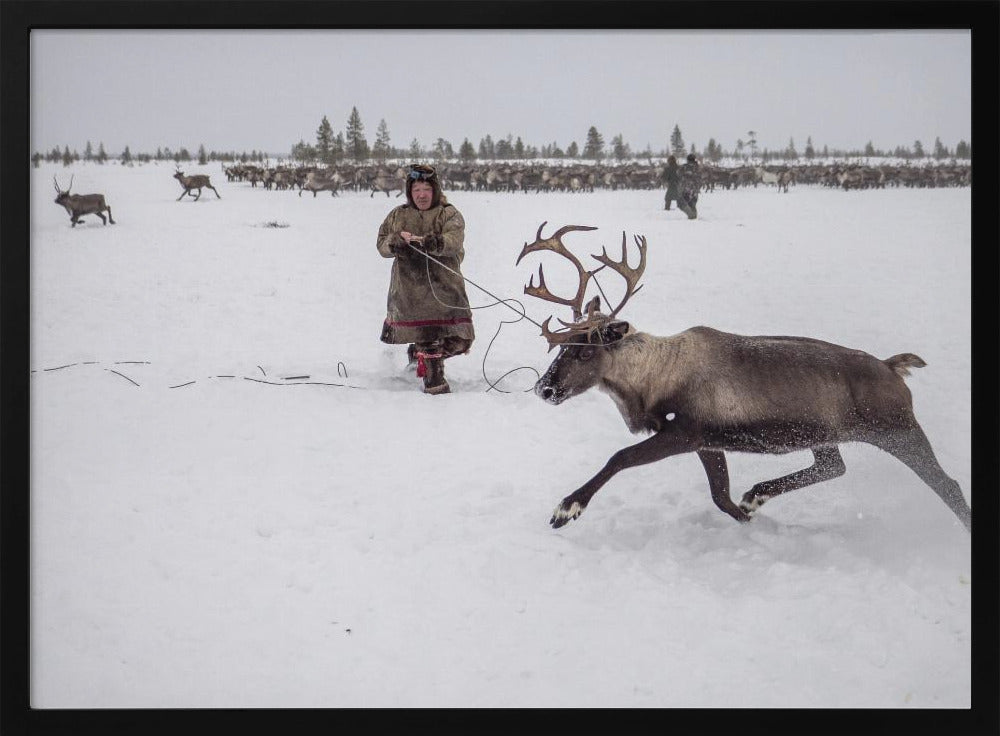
(903, 362)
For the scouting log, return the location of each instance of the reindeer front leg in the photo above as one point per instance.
(674, 439)
(714, 462)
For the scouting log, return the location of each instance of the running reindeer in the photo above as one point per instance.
(78, 205)
(711, 392)
(194, 182)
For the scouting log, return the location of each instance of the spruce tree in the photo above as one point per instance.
(88, 152)
(382, 147)
(338, 149)
(810, 151)
(918, 149)
(503, 148)
(443, 150)
(677, 142)
(619, 148)
(324, 141)
(572, 150)
(713, 151)
(466, 152)
(357, 145)
(487, 149)
(594, 147)
(940, 151)
(126, 156)
(67, 157)
(202, 156)
(415, 151)
(519, 148)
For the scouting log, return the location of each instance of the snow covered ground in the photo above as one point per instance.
(210, 530)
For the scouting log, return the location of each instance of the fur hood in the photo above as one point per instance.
(429, 175)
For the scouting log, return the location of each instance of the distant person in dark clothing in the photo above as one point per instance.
(672, 178)
(690, 186)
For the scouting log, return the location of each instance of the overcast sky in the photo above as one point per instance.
(266, 90)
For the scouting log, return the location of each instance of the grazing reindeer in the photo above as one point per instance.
(321, 183)
(194, 182)
(780, 180)
(78, 205)
(711, 392)
(385, 182)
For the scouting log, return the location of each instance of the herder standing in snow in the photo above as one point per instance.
(427, 305)
(690, 186)
(671, 177)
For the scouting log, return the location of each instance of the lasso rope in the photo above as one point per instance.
(521, 315)
(498, 301)
(341, 366)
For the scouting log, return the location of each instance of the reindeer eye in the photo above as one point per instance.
(586, 353)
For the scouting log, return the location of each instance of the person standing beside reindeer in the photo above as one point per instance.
(427, 306)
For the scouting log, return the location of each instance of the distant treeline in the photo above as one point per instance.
(351, 145)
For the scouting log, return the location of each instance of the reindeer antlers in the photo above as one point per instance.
(554, 243)
(631, 275)
(55, 181)
(586, 319)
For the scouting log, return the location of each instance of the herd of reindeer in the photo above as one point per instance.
(533, 177)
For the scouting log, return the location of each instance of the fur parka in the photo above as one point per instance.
(426, 302)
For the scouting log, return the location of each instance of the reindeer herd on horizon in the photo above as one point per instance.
(533, 177)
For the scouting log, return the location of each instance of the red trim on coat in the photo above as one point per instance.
(430, 322)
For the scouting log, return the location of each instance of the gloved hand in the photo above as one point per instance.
(397, 245)
(433, 244)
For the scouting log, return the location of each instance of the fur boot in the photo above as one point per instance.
(434, 380)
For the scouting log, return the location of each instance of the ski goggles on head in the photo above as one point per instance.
(422, 173)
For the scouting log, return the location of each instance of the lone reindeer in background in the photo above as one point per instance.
(711, 392)
(78, 205)
(194, 182)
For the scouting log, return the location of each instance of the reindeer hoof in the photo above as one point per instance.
(750, 503)
(565, 513)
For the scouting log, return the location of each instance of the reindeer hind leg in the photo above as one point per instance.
(828, 464)
(911, 447)
(110, 217)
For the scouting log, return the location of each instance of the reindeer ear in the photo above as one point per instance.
(615, 331)
(593, 306)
